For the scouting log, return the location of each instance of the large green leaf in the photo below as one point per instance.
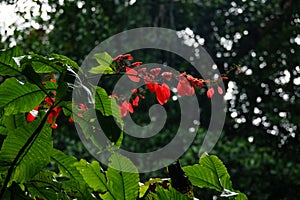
(35, 156)
(42, 64)
(210, 173)
(75, 186)
(123, 179)
(8, 64)
(10, 122)
(93, 175)
(17, 97)
(45, 186)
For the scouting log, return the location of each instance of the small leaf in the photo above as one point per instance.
(103, 59)
(101, 70)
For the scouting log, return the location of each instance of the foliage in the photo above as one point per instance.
(261, 134)
(27, 149)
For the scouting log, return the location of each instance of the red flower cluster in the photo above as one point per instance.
(48, 102)
(156, 82)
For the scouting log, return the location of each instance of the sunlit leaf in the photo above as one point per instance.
(17, 97)
(122, 185)
(92, 174)
(34, 158)
(8, 64)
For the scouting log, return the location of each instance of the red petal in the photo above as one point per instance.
(134, 90)
(30, 117)
(152, 86)
(155, 71)
(220, 91)
(184, 88)
(129, 107)
(49, 101)
(163, 93)
(134, 74)
(118, 57)
(54, 126)
(210, 92)
(50, 118)
(167, 75)
(71, 120)
(142, 70)
(123, 109)
(136, 100)
(128, 57)
(82, 107)
(136, 64)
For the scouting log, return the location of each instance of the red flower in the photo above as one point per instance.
(220, 91)
(82, 107)
(155, 71)
(127, 57)
(198, 83)
(32, 114)
(136, 64)
(71, 120)
(49, 100)
(167, 75)
(135, 101)
(210, 92)
(142, 71)
(134, 90)
(53, 115)
(184, 88)
(151, 85)
(162, 93)
(54, 126)
(126, 106)
(133, 75)
(119, 57)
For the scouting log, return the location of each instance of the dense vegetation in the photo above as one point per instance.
(261, 135)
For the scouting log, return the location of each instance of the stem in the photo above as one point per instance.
(22, 150)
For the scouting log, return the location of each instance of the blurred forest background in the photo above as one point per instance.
(260, 140)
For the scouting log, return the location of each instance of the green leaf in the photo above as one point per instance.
(123, 183)
(103, 58)
(17, 97)
(42, 64)
(45, 186)
(105, 61)
(35, 157)
(8, 64)
(171, 193)
(10, 122)
(75, 186)
(106, 105)
(216, 165)
(210, 173)
(65, 60)
(101, 70)
(92, 174)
